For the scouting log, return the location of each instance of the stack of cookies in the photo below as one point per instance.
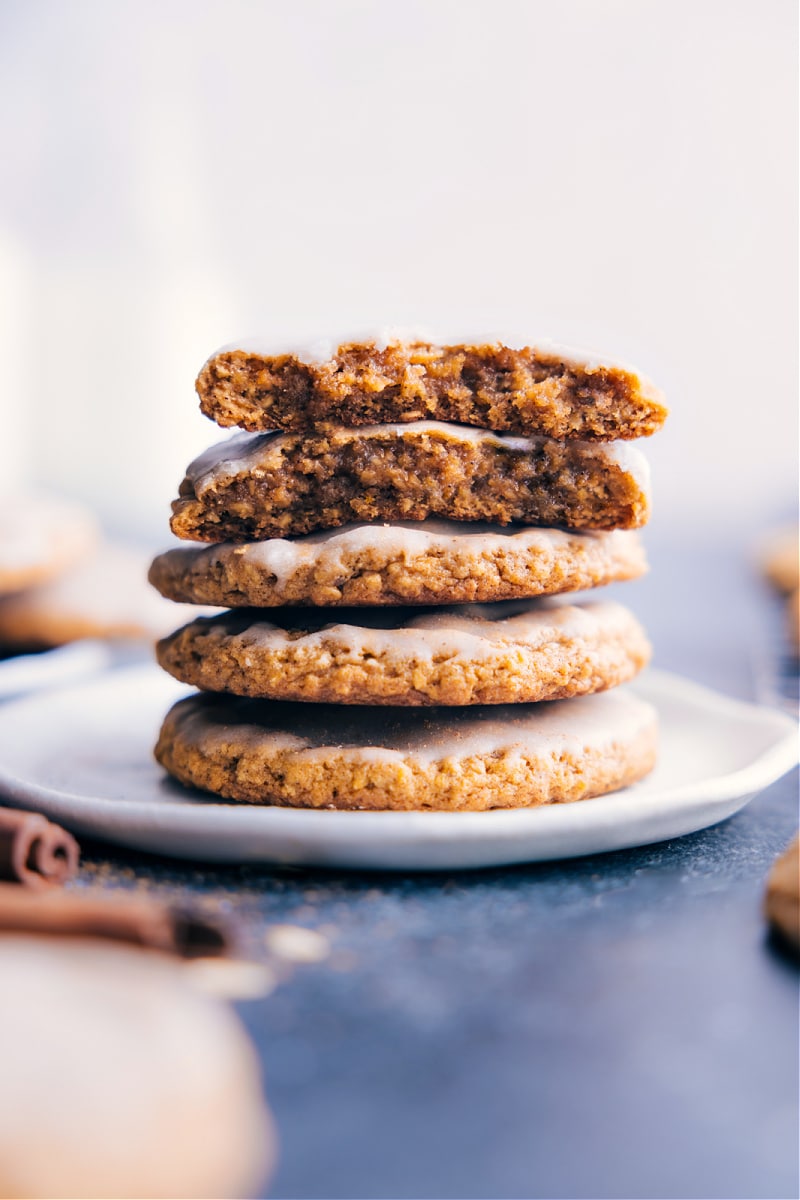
(388, 536)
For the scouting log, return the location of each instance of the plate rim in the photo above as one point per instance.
(179, 815)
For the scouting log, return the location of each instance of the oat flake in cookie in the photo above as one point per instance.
(457, 760)
(274, 485)
(506, 384)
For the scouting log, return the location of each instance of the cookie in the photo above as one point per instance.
(258, 486)
(481, 654)
(782, 901)
(105, 596)
(120, 1078)
(430, 562)
(455, 759)
(514, 387)
(793, 621)
(40, 537)
(780, 560)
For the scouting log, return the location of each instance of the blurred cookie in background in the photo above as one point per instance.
(121, 1078)
(41, 536)
(780, 559)
(782, 900)
(779, 562)
(104, 596)
(793, 621)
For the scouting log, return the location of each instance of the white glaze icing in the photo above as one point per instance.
(318, 350)
(472, 633)
(331, 550)
(317, 732)
(628, 458)
(250, 452)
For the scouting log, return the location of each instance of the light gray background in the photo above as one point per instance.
(619, 174)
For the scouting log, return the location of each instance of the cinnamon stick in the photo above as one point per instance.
(34, 851)
(138, 920)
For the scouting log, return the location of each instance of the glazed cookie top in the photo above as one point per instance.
(413, 562)
(214, 724)
(317, 350)
(469, 631)
(506, 383)
(473, 654)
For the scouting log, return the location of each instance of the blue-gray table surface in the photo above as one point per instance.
(615, 1026)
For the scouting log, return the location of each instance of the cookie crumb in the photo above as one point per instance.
(296, 944)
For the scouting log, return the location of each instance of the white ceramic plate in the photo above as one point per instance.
(83, 756)
(52, 668)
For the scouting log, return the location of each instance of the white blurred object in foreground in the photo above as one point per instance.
(120, 1079)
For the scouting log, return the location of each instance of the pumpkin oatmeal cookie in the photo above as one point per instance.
(451, 759)
(427, 562)
(386, 377)
(275, 485)
(479, 654)
(782, 899)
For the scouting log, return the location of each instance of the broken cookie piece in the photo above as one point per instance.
(508, 385)
(275, 485)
